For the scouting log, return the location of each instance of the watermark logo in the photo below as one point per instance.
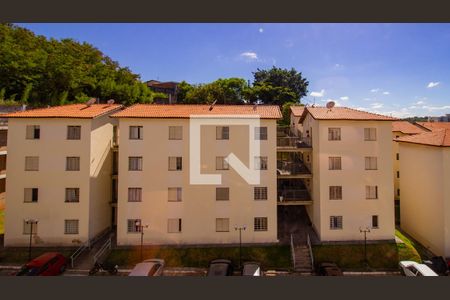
(249, 174)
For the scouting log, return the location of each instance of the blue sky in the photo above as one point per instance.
(396, 69)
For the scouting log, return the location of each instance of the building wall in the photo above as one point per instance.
(396, 163)
(100, 174)
(198, 208)
(355, 209)
(425, 198)
(51, 180)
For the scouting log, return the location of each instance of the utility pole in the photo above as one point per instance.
(240, 228)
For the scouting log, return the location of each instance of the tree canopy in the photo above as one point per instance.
(41, 71)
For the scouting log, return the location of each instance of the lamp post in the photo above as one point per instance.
(30, 222)
(365, 231)
(141, 227)
(240, 228)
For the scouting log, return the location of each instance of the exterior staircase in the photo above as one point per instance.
(302, 260)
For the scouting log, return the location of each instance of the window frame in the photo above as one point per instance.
(139, 164)
(223, 165)
(259, 192)
(134, 191)
(336, 192)
(33, 132)
(370, 134)
(175, 133)
(334, 133)
(27, 159)
(178, 192)
(335, 221)
(178, 163)
(178, 226)
(227, 189)
(369, 164)
(220, 133)
(77, 194)
(68, 164)
(377, 222)
(259, 135)
(31, 192)
(369, 192)
(331, 163)
(70, 130)
(260, 224)
(140, 132)
(76, 221)
(222, 220)
(135, 228)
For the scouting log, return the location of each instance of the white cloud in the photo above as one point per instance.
(318, 94)
(420, 102)
(344, 98)
(376, 105)
(433, 84)
(374, 90)
(261, 30)
(430, 108)
(249, 56)
(338, 66)
(386, 93)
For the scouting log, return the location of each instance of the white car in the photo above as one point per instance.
(149, 267)
(412, 268)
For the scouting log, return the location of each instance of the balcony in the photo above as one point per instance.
(291, 169)
(293, 196)
(292, 144)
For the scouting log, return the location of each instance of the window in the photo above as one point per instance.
(134, 194)
(32, 163)
(371, 163)
(70, 226)
(174, 194)
(336, 222)
(260, 224)
(222, 133)
(133, 225)
(221, 163)
(398, 156)
(73, 163)
(33, 132)
(334, 134)
(73, 132)
(370, 134)
(335, 192)
(222, 193)
(260, 193)
(398, 174)
(261, 162)
(174, 225)
(27, 227)
(371, 192)
(175, 163)
(135, 163)
(31, 195)
(398, 192)
(72, 195)
(374, 221)
(260, 133)
(136, 132)
(222, 225)
(334, 163)
(175, 132)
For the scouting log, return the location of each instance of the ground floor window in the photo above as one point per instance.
(71, 227)
(134, 225)
(174, 225)
(260, 224)
(374, 221)
(336, 222)
(222, 224)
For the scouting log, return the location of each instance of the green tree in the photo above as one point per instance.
(224, 91)
(278, 86)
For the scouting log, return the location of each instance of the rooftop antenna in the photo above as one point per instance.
(91, 101)
(330, 105)
(110, 101)
(212, 105)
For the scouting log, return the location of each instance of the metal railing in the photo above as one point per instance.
(291, 168)
(289, 194)
(106, 246)
(308, 242)
(78, 252)
(284, 131)
(292, 142)
(293, 250)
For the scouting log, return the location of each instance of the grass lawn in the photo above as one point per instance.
(380, 256)
(277, 257)
(19, 256)
(410, 250)
(2, 221)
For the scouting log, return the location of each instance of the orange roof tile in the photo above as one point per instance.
(67, 111)
(297, 110)
(186, 110)
(406, 127)
(343, 113)
(434, 125)
(438, 137)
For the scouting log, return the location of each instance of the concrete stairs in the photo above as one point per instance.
(302, 259)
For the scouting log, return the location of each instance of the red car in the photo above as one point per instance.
(48, 264)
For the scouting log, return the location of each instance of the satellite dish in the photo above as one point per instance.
(91, 101)
(330, 104)
(110, 101)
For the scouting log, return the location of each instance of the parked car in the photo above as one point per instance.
(412, 268)
(329, 269)
(149, 267)
(438, 264)
(48, 264)
(220, 267)
(251, 268)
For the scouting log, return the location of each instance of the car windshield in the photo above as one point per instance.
(28, 271)
(218, 269)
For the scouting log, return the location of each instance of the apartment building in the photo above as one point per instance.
(159, 193)
(425, 177)
(59, 174)
(400, 129)
(350, 166)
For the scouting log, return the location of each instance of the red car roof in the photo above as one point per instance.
(42, 259)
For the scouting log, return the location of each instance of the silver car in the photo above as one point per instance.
(149, 267)
(251, 269)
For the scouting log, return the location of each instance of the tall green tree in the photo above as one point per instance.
(224, 91)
